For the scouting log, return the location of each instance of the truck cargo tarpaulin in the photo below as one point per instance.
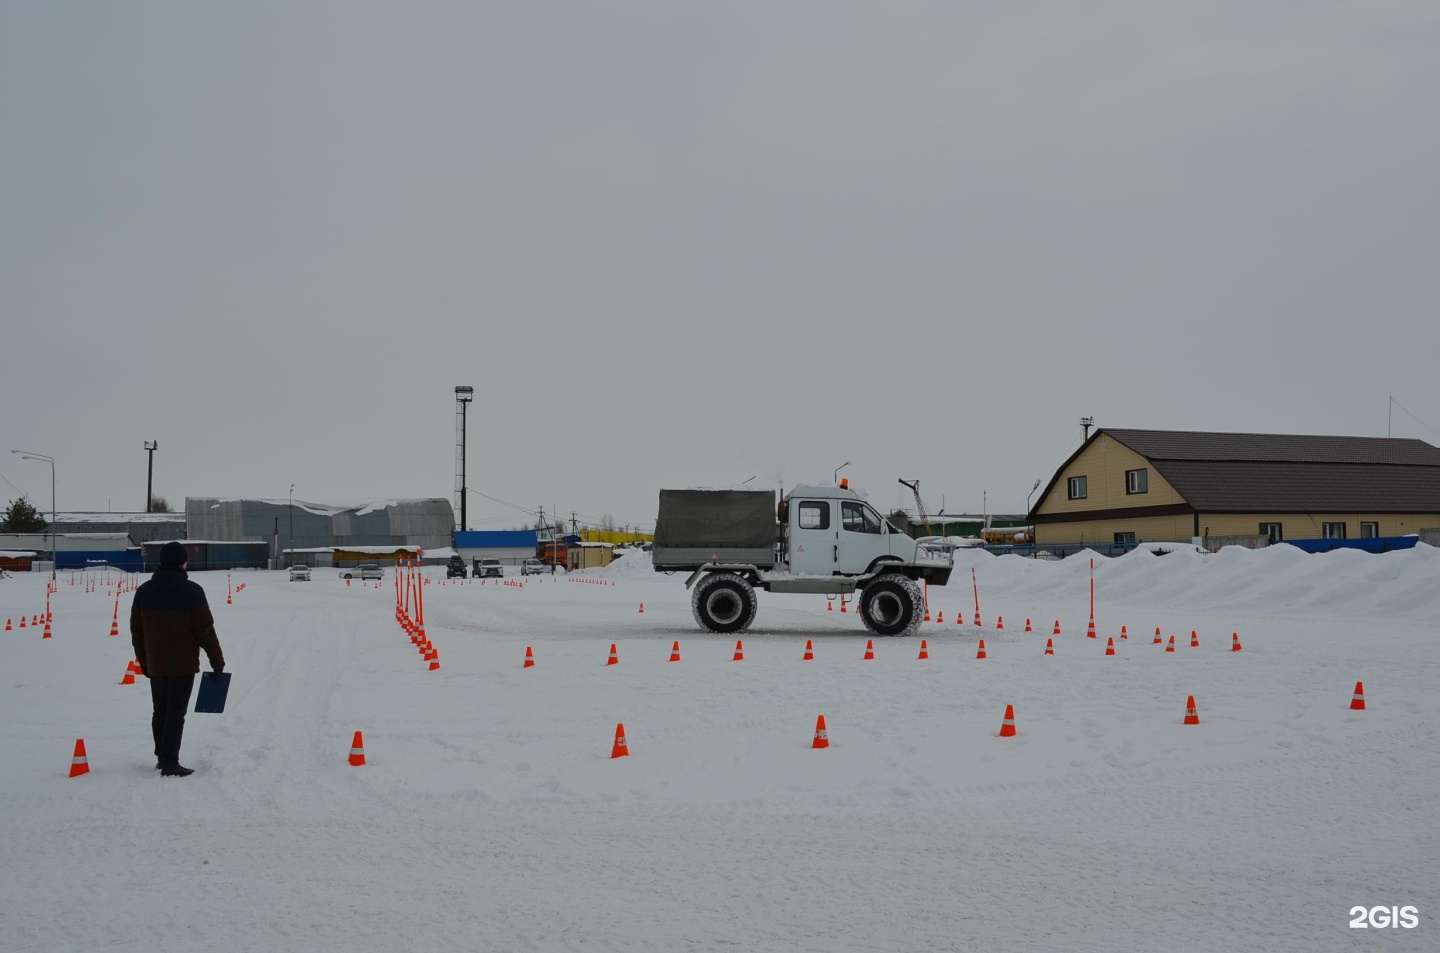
(719, 518)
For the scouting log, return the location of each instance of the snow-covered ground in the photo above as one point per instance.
(490, 815)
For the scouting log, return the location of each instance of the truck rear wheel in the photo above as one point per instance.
(892, 605)
(723, 602)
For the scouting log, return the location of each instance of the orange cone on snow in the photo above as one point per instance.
(1235, 644)
(614, 656)
(1191, 718)
(978, 623)
(1057, 628)
(129, 678)
(1090, 631)
(1357, 701)
(1194, 640)
(1110, 646)
(959, 618)
(435, 664)
(357, 751)
(842, 605)
(642, 608)
(7, 624)
(927, 614)
(1124, 635)
(1170, 646)
(1000, 624)
(1157, 636)
(829, 606)
(1049, 646)
(47, 634)
(1027, 626)
(22, 622)
(940, 617)
(1007, 726)
(869, 650)
(809, 651)
(529, 658)
(78, 763)
(924, 649)
(980, 652)
(620, 749)
(675, 651)
(739, 651)
(822, 736)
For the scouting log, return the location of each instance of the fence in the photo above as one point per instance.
(1430, 537)
(1375, 544)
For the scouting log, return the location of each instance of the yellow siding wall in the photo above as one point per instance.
(604, 536)
(1307, 525)
(1103, 464)
(1178, 528)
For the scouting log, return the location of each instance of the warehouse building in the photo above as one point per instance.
(297, 525)
(1127, 486)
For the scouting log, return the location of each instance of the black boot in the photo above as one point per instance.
(175, 770)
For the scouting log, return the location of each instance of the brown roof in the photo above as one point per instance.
(1239, 472)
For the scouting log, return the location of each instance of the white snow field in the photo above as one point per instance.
(490, 815)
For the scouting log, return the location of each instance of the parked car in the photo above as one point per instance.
(363, 571)
(488, 566)
(299, 573)
(531, 567)
(455, 568)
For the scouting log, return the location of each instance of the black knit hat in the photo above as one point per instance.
(173, 556)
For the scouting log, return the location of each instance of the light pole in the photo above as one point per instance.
(1030, 494)
(836, 477)
(152, 446)
(31, 455)
(292, 524)
(463, 395)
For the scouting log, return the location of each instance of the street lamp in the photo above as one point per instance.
(836, 477)
(1030, 494)
(463, 395)
(152, 446)
(292, 524)
(31, 455)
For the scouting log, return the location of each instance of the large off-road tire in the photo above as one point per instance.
(723, 602)
(892, 605)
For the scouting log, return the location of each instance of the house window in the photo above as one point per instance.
(1272, 530)
(1125, 539)
(1137, 481)
(814, 515)
(1078, 489)
(1332, 530)
(1369, 530)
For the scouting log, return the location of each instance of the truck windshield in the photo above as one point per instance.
(859, 518)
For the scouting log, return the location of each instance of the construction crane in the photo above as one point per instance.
(919, 504)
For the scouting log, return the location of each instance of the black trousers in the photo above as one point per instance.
(171, 697)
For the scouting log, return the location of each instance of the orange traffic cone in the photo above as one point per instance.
(347, 580)
(1027, 626)
(620, 749)
(1357, 701)
(940, 617)
(1057, 628)
(435, 664)
(7, 624)
(1049, 646)
(829, 606)
(614, 656)
(1190, 717)
(809, 651)
(1000, 624)
(739, 652)
(78, 764)
(47, 634)
(959, 618)
(1124, 635)
(1110, 646)
(357, 751)
(1170, 646)
(1157, 636)
(822, 736)
(529, 658)
(980, 652)
(1007, 726)
(642, 608)
(129, 678)
(869, 650)
(675, 652)
(978, 623)
(927, 614)
(1090, 631)
(23, 624)
(842, 605)
(924, 649)
(1194, 640)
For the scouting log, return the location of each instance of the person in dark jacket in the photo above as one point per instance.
(170, 622)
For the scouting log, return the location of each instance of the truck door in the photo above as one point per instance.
(861, 537)
(814, 537)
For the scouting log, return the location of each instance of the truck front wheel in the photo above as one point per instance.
(892, 605)
(723, 602)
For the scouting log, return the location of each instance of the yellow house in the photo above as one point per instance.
(1125, 486)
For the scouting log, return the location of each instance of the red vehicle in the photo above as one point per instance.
(552, 552)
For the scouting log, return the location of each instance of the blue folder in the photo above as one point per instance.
(211, 696)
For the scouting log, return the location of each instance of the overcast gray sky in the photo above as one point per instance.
(678, 244)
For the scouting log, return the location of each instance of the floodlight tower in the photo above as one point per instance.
(151, 446)
(463, 395)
